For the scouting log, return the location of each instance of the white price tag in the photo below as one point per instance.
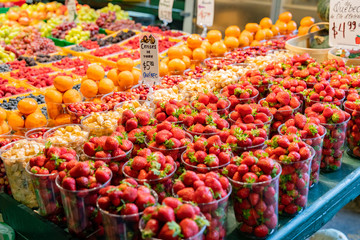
(149, 59)
(205, 13)
(344, 20)
(71, 6)
(165, 10)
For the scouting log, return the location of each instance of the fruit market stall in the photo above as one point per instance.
(237, 136)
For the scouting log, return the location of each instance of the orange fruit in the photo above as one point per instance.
(106, 86)
(187, 51)
(231, 42)
(62, 119)
(63, 83)
(255, 43)
(282, 27)
(165, 60)
(176, 66)
(53, 95)
(213, 36)
(232, 31)
(252, 27)
(35, 120)
(137, 75)
(113, 76)
(244, 41)
(303, 30)
(291, 26)
(163, 69)
(260, 35)
(126, 80)
(4, 127)
(3, 115)
(89, 88)
(275, 30)
(125, 64)
(248, 34)
(307, 21)
(54, 109)
(315, 28)
(206, 45)
(71, 96)
(16, 120)
(95, 72)
(268, 33)
(27, 105)
(285, 17)
(194, 41)
(175, 52)
(199, 54)
(218, 48)
(186, 60)
(266, 22)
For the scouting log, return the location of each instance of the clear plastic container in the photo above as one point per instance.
(98, 131)
(113, 98)
(317, 144)
(162, 186)
(21, 186)
(36, 133)
(76, 117)
(294, 185)
(175, 153)
(222, 111)
(353, 132)
(217, 63)
(249, 100)
(204, 169)
(265, 125)
(266, 195)
(240, 150)
(205, 135)
(263, 89)
(121, 227)
(83, 219)
(333, 146)
(309, 103)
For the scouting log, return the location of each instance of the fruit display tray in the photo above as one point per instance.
(332, 193)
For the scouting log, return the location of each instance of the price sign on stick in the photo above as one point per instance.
(165, 10)
(149, 59)
(71, 6)
(344, 22)
(205, 13)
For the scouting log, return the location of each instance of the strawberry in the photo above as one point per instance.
(189, 228)
(187, 194)
(69, 183)
(166, 214)
(111, 144)
(138, 163)
(261, 231)
(170, 230)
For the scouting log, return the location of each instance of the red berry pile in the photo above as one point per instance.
(260, 80)
(37, 133)
(211, 101)
(27, 72)
(346, 82)
(142, 90)
(295, 158)
(255, 180)
(167, 33)
(291, 84)
(196, 73)
(44, 80)
(131, 120)
(8, 91)
(106, 50)
(134, 55)
(88, 44)
(81, 109)
(171, 111)
(240, 94)
(252, 116)
(323, 92)
(17, 64)
(170, 81)
(68, 63)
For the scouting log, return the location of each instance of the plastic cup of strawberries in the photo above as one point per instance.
(322, 92)
(255, 181)
(206, 155)
(353, 131)
(78, 111)
(161, 222)
(153, 168)
(335, 121)
(295, 158)
(243, 93)
(121, 215)
(217, 63)
(172, 111)
(113, 98)
(211, 192)
(79, 187)
(212, 101)
(261, 81)
(312, 133)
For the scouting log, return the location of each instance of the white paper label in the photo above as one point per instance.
(149, 59)
(71, 6)
(344, 22)
(205, 13)
(165, 10)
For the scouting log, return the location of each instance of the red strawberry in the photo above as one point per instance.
(162, 136)
(261, 231)
(283, 98)
(166, 214)
(185, 211)
(138, 163)
(172, 202)
(189, 228)
(170, 230)
(203, 195)
(111, 144)
(187, 194)
(151, 228)
(81, 169)
(102, 176)
(143, 118)
(69, 183)
(131, 124)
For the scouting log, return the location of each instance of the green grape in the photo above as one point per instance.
(45, 29)
(6, 56)
(87, 15)
(120, 14)
(77, 35)
(8, 33)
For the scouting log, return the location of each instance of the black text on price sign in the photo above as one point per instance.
(344, 21)
(149, 59)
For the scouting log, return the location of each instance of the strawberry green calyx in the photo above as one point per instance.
(209, 159)
(175, 227)
(313, 129)
(169, 144)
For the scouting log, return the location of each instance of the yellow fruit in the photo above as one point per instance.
(125, 64)
(176, 66)
(231, 42)
(232, 31)
(268, 33)
(282, 27)
(307, 21)
(71, 96)
(35, 120)
(53, 96)
(113, 75)
(163, 69)
(255, 43)
(266, 22)
(175, 52)
(126, 80)
(206, 45)
(27, 106)
(194, 41)
(89, 88)
(303, 30)
(291, 26)
(106, 86)
(16, 121)
(315, 28)
(285, 17)
(165, 60)
(4, 128)
(62, 119)
(199, 54)
(3, 115)
(244, 41)
(137, 75)
(63, 83)
(252, 27)
(186, 60)
(260, 35)
(187, 51)
(218, 49)
(275, 30)
(213, 36)
(95, 72)
(248, 34)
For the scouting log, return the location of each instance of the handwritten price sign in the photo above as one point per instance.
(205, 13)
(165, 10)
(149, 59)
(344, 22)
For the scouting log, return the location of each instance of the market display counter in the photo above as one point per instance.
(332, 193)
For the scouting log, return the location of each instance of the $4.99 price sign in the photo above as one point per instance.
(344, 23)
(205, 13)
(149, 59)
